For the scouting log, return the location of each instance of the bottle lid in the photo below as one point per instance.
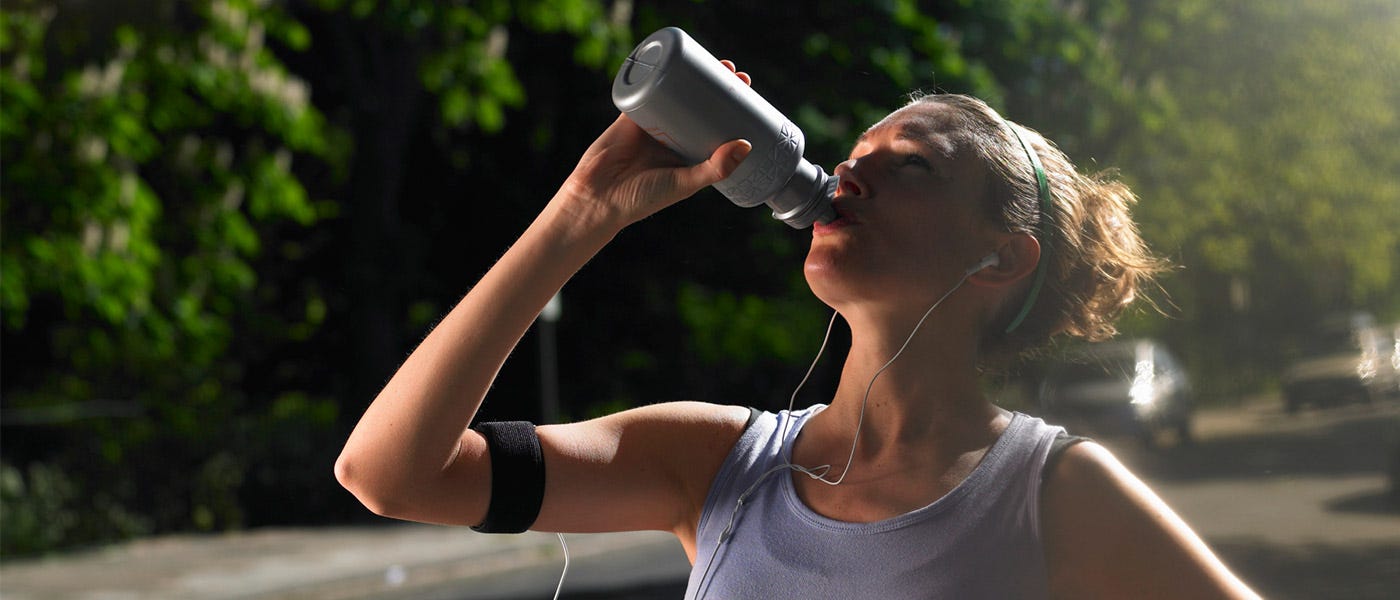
(643, 69)
(641, 64)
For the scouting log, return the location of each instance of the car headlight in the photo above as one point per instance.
(1366, 369)
(1143, 393)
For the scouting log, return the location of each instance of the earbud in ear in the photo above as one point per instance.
(990, 260)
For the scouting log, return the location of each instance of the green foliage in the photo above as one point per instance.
(37, 514)
(98, 153)
(45, 508)
(1268, 170)
(155, 189)
(465, 63)
(144, 164)
(742, 331)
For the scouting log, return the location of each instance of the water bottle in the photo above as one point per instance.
(680, 94)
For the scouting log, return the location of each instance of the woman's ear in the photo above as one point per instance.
(1017, 258)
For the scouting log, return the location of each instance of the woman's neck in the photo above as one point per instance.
(930, 392)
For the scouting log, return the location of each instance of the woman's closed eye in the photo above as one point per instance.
(916, 160)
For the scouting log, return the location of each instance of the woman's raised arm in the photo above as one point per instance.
(411, 455)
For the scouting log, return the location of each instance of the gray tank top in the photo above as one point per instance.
(981, 540)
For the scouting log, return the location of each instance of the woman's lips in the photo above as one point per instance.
(843, 220)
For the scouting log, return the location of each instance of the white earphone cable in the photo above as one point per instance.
(819, 472)
(565, 546)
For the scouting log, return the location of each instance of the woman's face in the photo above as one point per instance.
(911, 218)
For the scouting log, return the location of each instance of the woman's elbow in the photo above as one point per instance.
(369, 490)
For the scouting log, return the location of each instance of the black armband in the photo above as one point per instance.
(517, 476)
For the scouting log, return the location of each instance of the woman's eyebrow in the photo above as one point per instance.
(920, 132)
(941, 145)
(928, 131)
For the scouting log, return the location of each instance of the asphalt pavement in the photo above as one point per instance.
(369, 562)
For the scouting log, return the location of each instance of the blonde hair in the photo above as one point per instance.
(1097, 261)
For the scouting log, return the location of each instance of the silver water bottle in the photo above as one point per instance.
(680, 94)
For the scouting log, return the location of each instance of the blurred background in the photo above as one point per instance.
(225, 223)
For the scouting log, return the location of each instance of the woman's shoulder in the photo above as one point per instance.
(1087, 483)
(1095, 511)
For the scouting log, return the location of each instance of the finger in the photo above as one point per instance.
(744, 77)
(730, 155)
(721, 164)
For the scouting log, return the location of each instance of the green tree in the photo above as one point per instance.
(1268, 172)
(175, 299)
(146, 160)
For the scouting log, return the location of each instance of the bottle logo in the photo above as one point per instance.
(666, 140)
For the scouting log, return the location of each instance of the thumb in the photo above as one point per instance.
(721, 164)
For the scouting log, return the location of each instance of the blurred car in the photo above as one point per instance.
(1133, 387)
(1389, 346)
(1395, 475)
(1348, 360)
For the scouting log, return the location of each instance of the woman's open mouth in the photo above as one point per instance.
(843, 219)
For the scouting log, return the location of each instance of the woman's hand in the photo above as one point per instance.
(625, 175)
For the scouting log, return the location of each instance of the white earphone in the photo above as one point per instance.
(990, 260)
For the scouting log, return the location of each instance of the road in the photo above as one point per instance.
(1297, 505)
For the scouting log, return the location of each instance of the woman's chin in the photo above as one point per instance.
(831, 279)
(820, 266)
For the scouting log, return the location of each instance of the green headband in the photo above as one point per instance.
(1043, 188)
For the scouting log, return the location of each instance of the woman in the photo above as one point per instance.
(911, 483)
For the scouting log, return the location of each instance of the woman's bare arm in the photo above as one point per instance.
(411, 455)
(1106, 535)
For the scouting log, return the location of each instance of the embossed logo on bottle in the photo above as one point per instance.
(765, 177)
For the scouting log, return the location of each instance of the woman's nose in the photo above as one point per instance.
(850, 184)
